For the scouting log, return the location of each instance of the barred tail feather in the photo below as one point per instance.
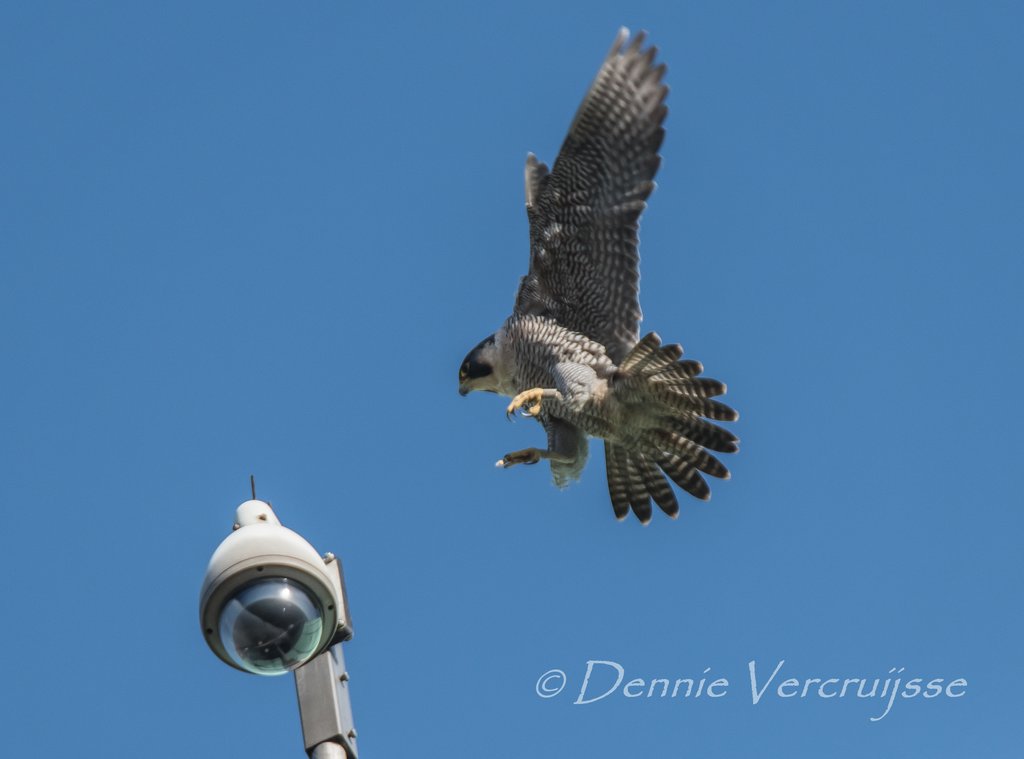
(657, 485)
(691, 387)
(639, 498)
(634, 481)
(703, 432)
(641, 352)
(691, 452)
(618, 479)
(685, 476)
(684, 404)
(680, 371)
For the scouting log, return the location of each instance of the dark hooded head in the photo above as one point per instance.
(477, 370)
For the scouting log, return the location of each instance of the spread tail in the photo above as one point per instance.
(677, 433)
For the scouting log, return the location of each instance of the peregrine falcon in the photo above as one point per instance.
(570, 355)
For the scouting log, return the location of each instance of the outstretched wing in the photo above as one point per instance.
(584, 213)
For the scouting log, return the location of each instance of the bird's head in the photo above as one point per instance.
(478, 368)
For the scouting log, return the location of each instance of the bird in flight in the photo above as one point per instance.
(570, 355)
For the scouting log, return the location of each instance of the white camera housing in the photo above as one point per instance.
(269, 602)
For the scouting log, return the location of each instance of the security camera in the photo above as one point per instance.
(269, 602)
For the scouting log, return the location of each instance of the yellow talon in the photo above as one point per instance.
(532, 397)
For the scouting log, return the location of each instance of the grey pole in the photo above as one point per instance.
(325, 707)
(328, 750)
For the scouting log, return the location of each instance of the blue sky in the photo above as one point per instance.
(260, 237)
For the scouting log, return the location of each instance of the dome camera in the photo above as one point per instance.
(269, 602)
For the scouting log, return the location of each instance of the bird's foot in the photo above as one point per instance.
(532, 397)
(525, 456)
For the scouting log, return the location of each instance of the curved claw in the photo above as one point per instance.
(525, 456)
(530, 398)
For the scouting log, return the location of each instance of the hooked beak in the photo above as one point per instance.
(463, 390)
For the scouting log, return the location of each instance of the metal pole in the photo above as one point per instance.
(325, 707)
(328, 750)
